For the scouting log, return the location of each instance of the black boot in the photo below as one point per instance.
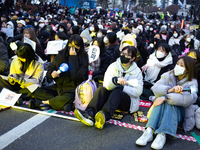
(19, 102)
(34, 103)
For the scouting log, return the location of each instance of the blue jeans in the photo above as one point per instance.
(165, 118)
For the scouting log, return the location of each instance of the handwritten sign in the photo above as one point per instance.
(53, 47)
(93, 53)
(8, 32)
(8, 98)
(30, 42)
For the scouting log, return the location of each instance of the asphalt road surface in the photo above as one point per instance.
(23, 130)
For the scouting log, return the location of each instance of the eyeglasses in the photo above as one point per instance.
(126, 55)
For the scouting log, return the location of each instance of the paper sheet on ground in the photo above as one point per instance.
(8, 98)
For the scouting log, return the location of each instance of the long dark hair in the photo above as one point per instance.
(111, 37)
(81, 53)
(26, 51)
(75, 29)
(189, 65)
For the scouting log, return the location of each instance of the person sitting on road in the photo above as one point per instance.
(158, 63)
(195, 54)
(26, 73)
(104, 60)
(61, 95)
(118, 91)
(172, 106)
(112, 45)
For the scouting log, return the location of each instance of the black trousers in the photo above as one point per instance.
(56, 101)
(15, 88)
(109, 101)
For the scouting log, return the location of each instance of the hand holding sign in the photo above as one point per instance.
(93, 53)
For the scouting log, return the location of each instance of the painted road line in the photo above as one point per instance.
(132, 126)
(21, 129)
(45, 113)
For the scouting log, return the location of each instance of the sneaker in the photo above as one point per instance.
(147, 136)
(84, 117)
(159, 141)
(100, 120)
(34, 103)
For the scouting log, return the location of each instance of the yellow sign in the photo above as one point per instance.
(194, 27)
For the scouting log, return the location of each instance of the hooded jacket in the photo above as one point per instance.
(33, 75)
(116, 70)
(64, 25)
(168, 81)
(129, 40)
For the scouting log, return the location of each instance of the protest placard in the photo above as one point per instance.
(93, 53)
(8, 98)
(53, 47)
(32, 43)
(8, 32)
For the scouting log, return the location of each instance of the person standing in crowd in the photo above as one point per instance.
(117, 91)
(171, 101)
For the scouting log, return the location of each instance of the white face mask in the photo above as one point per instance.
(188, 39)
(159, 54)
(41, 25)
(178, 70)
(151, 45)
(91, 28)
(109, 31)
(9, 26)
(99, 34)
(61, 30)
(151, 29)
(147, 28)
(192, 36)
(172, 26)
(105, 40)
(175, 35)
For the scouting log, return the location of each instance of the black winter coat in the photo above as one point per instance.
(113, 53)
(77, 72)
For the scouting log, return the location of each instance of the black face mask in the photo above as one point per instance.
(124, 60)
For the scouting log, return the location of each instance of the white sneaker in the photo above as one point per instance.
(147, 136)
(159, 141)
